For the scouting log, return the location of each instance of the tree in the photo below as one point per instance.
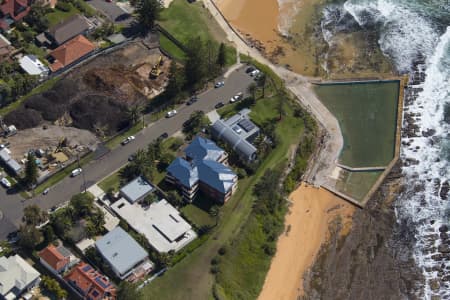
(53, 287)
(196, 122)
(196, 67)
(251, 89)
(214, 211)
(147, 13)
(176, 81)
(31, 172)
(261, 82)
(82, 204)
(221, 56)
(175, 198)
(37, 19)
(282, 97)
(33, 215)
(134, 112)
(128, 291)
(29, 236)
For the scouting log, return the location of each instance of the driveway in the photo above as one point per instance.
(12, 204)
(112, 11)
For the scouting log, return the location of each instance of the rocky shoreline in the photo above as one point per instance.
(375, 260)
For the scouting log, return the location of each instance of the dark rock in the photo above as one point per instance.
(443, 235)
(445, 187)
(437, 257)
(444, 248)
(443, 228)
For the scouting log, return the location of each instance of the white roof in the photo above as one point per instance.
(32, 65)
(84, 244)
(15, 272)
(160, 223)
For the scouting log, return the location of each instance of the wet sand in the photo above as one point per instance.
(258, 18)
(307, 228)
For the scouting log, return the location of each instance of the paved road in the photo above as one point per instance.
(12, 205)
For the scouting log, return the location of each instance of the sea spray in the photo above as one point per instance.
(287, 10)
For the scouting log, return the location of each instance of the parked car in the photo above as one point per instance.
(128, 139)
(236, 97)
(45, 192)
(249, 70)
(219, 84)
(192, 100)
(5, 182)
(76, 172)
(219, 105)
(171, 113)
(254, 72)
(163, 136)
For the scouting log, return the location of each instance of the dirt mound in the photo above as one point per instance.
(24, 118)
(99, 113)
(105, 79)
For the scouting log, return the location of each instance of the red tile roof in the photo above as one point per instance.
(16, 9)
(70, 51)
(54, 258)
(91, 283)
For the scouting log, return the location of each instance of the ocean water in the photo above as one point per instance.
(408, 30)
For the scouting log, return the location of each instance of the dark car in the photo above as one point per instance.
(163, 136)
(192, 100)
(219, 105)
(249, 70)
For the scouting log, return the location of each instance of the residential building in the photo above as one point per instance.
(123, 254)
(160, 223)
(239, 133)
(57, 259)
(12, 11)
(12, 164)
(16, 277)
(89, 283)
(63, 32)
(136, 190)
(70, 52)
(5, 47)
(203, 169)
(33, 66)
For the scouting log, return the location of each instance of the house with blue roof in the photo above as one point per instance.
(205, 168)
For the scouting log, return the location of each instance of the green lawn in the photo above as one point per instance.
(58, 16)
(198, 216)
(191, 275)
(112, 181)
(367, 115)
(357, 184)
(186, 20)
(171, 48)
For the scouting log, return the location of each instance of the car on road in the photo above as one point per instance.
(171, 113)
(76, 172)
(45, 192)
(219, 105)
(219, 84)
(192, 100)
(163, 136)
(128, 139)
(255, 72)
(5, 182)
(236, 97)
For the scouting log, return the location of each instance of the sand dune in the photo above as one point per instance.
(307, 227)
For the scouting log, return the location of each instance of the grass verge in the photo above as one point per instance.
(111, 182)
(171, 48)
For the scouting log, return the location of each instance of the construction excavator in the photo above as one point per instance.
(156, 71)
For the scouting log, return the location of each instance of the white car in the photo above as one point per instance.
(236, 97)
(219, 84)
(76, 172)
(171, 113)
(5, 182)
(254, 73)
(128, 139)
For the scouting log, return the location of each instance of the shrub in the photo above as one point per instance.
(222, 250)
(24, 118)
(215, 260)
(215, 269)
(64, 6)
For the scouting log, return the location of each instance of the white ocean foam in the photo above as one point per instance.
(288, 9)
(426, 206)
(404, 33)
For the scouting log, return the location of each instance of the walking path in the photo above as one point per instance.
(301, 87)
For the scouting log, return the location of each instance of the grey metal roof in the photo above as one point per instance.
(221, 131)
(216, 175)
(136, 189)
(68, 29)
(184, 172)
(4, 155)
(120, 250)
(201, 148)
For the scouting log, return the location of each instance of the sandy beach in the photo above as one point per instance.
(307, 228)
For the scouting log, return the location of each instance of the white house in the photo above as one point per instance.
(33, 66)
(16, 277)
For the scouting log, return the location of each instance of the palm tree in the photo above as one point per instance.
(134, 112)
(262, 83)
